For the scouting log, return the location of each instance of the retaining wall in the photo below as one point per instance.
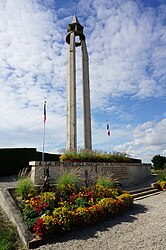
(125, 173)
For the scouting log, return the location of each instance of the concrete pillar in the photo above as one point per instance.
(75, 29)
(86, 97)
(71, 95)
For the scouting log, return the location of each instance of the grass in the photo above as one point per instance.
(9, 239)
(25, 186)
(106, 182)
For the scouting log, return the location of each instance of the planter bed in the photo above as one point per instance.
(55, 215)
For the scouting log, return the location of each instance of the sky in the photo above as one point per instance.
(126, 42)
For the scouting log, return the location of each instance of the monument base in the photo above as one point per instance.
(125, 173)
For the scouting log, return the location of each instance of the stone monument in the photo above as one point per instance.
(75, 38)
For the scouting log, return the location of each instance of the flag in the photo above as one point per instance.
(108, 130)
(45, 112)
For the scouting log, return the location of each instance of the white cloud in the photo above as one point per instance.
(126, 44)
(32, 65)
(124, 40)
(148, 140)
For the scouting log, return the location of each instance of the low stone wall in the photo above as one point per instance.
(125, 173)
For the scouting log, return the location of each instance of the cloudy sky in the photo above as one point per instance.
(126, 41)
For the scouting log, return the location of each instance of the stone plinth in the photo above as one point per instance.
(37, 171)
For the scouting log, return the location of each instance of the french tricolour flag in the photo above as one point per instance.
(45, 112)
(108, 130)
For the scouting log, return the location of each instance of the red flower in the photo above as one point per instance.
(39, 228)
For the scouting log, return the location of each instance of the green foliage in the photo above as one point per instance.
(80, 202)
(25, 187)
(7, 237)
(159, 162)
(94, 156)
(105, 181)
(162, 176)
(30, 217)
(161, 179)
(67, 183)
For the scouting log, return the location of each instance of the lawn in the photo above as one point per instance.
(9, 239)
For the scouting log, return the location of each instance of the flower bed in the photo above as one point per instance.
(96, 156)
(54, 212)
(162, 180)
(162, 185)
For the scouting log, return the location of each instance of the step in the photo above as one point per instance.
(146, 196)
(145, 192)
(140, 190)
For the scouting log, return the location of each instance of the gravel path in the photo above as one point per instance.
(143, 227)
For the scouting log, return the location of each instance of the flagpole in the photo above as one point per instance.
(44, 132)
(109, 144)
(43, 144)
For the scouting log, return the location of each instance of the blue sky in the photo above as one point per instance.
(126, 41)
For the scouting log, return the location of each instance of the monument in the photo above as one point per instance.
(76, 38)
(125, 173)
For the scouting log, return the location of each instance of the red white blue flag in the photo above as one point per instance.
(108, 130)
(45, 112)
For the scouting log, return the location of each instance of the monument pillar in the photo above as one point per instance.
(75, 29)
(86, 97)
(71, 95)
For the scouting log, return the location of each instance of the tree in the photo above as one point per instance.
(159, 161)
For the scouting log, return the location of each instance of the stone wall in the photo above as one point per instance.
(125, 173)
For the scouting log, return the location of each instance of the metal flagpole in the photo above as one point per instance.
(108, 143)
(44, 128)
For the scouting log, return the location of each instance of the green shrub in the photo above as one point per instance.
(162, 176)
(105, 181)
(25, 187)
(67, 183)
(159, 162)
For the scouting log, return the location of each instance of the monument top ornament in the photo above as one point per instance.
(77, 28)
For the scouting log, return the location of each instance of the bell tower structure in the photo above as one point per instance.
(75, 29)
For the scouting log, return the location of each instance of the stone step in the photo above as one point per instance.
(148, 195)
(140, 190)
(144, 192)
